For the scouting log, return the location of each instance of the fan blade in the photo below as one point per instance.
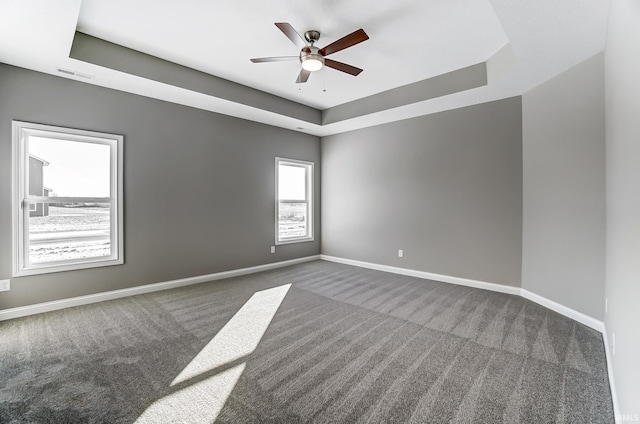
(347, 41)
(303, 76)
(274, 59)
(342, 67)
(291, 34)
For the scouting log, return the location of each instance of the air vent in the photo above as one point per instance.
(75, 74)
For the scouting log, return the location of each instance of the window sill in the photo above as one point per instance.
(293, 241)
(51, 268)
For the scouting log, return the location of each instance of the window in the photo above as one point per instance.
(68, 199)
(294, 209)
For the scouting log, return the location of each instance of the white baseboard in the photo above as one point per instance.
(612, 385)
(561, 309)
(564, 310)
(148, 288)
(426, 275)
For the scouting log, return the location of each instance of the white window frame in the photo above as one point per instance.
(22, 200)
(308, 166)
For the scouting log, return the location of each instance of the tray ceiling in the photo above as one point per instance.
(411, 42)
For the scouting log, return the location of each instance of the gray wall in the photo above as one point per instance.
(623, 199)
(446, 188)
(563, 144)
(199, 187)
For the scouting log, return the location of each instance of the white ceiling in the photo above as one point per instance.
(524, 42)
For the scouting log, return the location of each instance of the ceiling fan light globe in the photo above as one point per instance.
(312, 62)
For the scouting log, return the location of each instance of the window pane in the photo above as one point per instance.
(292, 220)
(291, 182)
(81, 172)
(63, 168)
(69, 231)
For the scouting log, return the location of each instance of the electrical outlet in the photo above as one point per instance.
(273, 249)
(401, 253)
(613, 343)
(5, 285)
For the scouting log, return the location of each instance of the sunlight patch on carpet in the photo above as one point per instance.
(203, 400)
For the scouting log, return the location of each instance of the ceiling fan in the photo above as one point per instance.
(313, 58)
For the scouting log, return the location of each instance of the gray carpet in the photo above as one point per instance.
(346, 345)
